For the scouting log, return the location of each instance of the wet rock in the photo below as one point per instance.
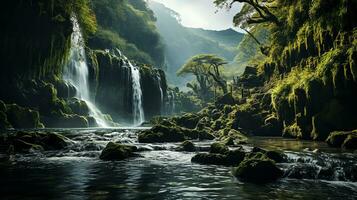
(326, 173)
(21, 146)
(346, 139)
(188, 146)
(115, 151)
(78, 106)
(276, 156)
(23, 141)
(229, 141)
(231, 158)
(302, 171)
(350, 142)
(160, 134)
(257, 171)
(219, 148)
(188, 120)
(20, 117)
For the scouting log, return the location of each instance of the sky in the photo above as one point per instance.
(202, 13)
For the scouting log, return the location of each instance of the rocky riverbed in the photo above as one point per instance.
(74, 170)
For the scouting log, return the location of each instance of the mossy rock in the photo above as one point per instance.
(350, 142)
(338, 138)
(79, 107)
(257, 171)
(231, 158)
(278, 157)
(188, 146)
(21, 146)
(47, 140)
(114, 151)
(160, 134)
(20, 117)
(226, 99)
(219, 148)
(188, 120)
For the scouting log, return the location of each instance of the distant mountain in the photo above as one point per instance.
(181, 42)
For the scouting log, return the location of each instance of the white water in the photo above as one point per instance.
(161, 93)
(138, 111)
(76, 73)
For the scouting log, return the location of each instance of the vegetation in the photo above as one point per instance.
(130, 26)
(207, 70)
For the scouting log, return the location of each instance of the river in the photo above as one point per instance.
(164, 173)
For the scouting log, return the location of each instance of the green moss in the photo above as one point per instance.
(20, 117)
(115, 151)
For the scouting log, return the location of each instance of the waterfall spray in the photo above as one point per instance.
(76, 73)
(138, 110)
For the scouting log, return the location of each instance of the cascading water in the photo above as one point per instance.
(161, 93)
(138, 110)
(76, 73)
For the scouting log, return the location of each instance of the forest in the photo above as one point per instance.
(121, 99)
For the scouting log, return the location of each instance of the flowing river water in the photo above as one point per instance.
(164, 173)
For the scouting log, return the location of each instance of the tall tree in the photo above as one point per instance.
(205, 67)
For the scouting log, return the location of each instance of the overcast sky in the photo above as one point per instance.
(202, 13)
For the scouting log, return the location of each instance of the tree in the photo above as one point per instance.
(205, 67)
(253, 12)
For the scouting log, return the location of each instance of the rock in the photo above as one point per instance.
(276, 156)
(114, 151)
(78, 106)
(209, 159)
(346, 139)
(257, 171)
(226, 99)
(219, 148)
(20, 117)
(229, 141)
(350, 142)
(188, 120)
(229, 158)
(160, 134)
(47, 141)
(21, 146)
(54, 141)
(188, 146)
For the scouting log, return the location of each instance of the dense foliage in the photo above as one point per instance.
(130, 26)
(35, 35)
(310, 62)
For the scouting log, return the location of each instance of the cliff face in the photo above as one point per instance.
(35, 47)
(114, 87)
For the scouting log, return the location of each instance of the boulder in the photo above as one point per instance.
(226, 99)
(345, 139)
(20, 117)
(114, 151)
(21, 146)
(219, 148)
(188, 146)
(231, 158)
(160, 134)
(257, 171)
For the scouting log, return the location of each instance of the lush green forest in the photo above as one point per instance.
(117, 99)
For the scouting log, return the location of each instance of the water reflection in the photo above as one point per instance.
(77, 173)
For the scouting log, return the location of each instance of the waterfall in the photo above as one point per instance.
(138, 110)
(161, 93)
(76, 73)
